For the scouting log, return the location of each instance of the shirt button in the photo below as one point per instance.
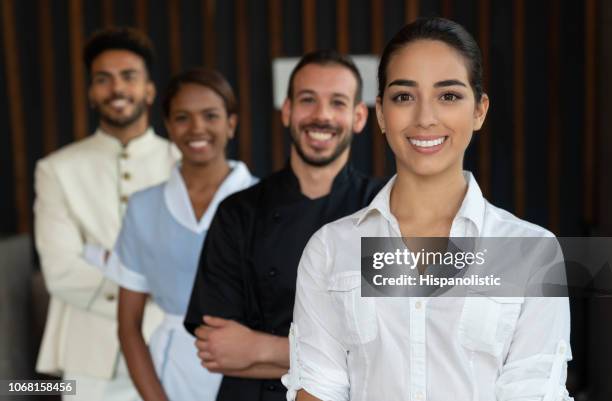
(123, 198)
(276, 216)
(124, 155)
(109, 297)
(419, 396)
(561, 350)
(272, 272)
(271, 387)
(417, 305)
(126, 176)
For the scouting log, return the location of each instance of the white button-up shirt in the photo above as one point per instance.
(345, 347)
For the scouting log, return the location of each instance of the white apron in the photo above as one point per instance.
(177, 364)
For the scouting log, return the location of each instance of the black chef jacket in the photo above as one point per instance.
(248, 266)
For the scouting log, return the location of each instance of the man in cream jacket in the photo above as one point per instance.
(81, 195)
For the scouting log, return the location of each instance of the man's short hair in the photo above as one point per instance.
(327, 57)
(120, 38)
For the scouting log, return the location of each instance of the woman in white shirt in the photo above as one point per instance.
(162, 234)
(348, 347)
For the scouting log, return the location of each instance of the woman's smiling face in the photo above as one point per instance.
(198, 123)
(428, 110)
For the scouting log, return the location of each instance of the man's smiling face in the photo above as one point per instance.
(322, 114)
(120, 89)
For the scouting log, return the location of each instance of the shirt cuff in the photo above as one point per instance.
(541, 376)
(94, 255)
(299, 378)
(124, 276)
(291, 379)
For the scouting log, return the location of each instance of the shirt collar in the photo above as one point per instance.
(177, 197)
(473, 205)
(472, 208)
(380, 204)
(112, 144)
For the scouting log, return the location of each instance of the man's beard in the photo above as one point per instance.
(319, 162)
(139, 109)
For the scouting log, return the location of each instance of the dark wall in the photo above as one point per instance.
(541, 183)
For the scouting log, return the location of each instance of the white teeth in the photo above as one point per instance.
(199, 144)
(427, 144)
(320, 136)
(119, 103)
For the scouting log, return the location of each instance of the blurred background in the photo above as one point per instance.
(545, 152)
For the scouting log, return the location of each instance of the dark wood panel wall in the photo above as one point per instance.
(79, 99)
(554, 142)
(174, 21)
(378, 43)
(47, 77)
(244, 100)
(518, 97)
(140, 18)
(17, 135)
(208, 19)
(590, 107)
(484, 142)
(505, 157)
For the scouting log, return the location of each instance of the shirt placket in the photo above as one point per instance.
(125, 179)
(418, 368)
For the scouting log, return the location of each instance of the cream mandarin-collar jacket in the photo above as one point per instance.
(81, 194)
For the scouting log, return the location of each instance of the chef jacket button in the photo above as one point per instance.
(272, 272)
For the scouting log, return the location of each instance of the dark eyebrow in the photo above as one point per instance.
(449, 82)
(342, 95)
(313, 93)
(206, 110)
(305, 92)
(441, 84)
(105, 73)
(403, 82)
(211, 109)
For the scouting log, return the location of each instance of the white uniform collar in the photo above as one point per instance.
(472, 208)
(179, 204)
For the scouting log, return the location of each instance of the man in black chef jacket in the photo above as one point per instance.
(242, 301)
